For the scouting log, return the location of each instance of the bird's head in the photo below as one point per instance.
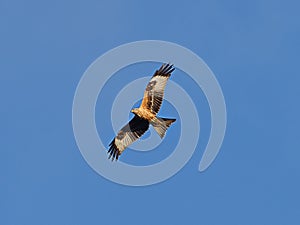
(135, 111)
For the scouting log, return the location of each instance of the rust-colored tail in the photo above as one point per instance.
(161, 125)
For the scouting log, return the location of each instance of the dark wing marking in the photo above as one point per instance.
(165, 70)
(127, 135)
(154, 93)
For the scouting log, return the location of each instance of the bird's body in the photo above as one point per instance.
(145, 114)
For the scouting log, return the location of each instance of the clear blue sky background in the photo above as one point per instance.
(252, 47)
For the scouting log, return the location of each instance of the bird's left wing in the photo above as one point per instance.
(154, 93)
(127, 135)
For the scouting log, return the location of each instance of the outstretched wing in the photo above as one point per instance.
(154, 93)
(127, 135)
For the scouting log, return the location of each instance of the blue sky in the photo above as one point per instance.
(253, 49)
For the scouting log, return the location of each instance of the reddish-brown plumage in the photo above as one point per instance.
(145, 114)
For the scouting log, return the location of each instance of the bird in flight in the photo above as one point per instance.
(145, 114)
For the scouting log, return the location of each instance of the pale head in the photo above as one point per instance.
(135, 111)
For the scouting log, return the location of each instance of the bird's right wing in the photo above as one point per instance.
(127, 135)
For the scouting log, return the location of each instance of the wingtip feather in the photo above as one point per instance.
(113, 151)
(165, 70)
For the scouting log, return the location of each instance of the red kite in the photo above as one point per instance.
(145, 114)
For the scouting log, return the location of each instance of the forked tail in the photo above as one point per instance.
(161, 125)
